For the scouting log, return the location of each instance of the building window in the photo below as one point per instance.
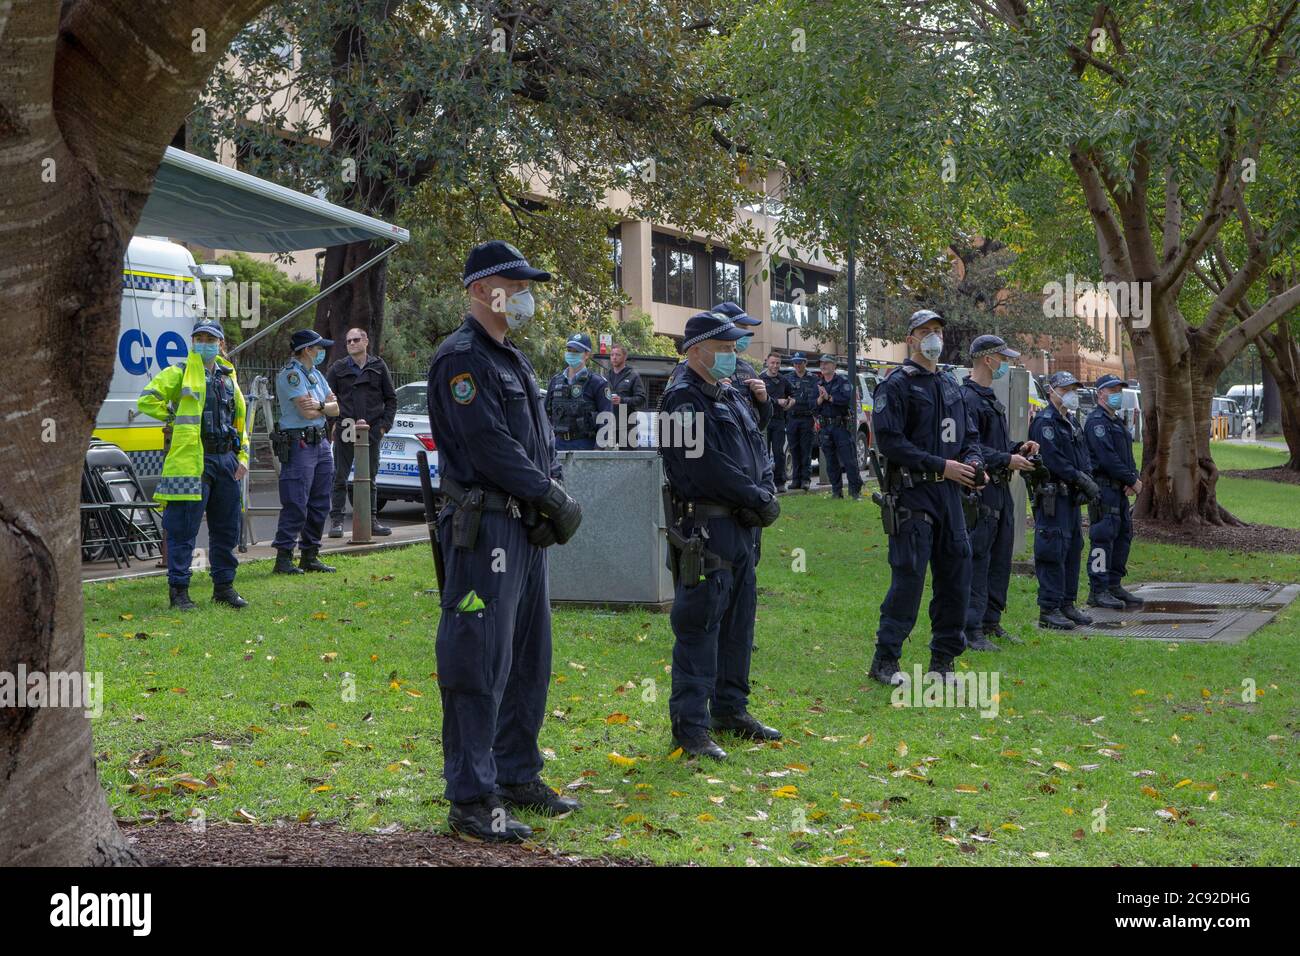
(728, 281)
(616, 254)
(676, 276)
(792, 287)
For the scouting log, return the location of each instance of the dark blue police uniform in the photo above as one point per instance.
(494, 635)
(778, 388)
(921, 421)
(799, 427)
(993, 538)
(1058, 537)
(722, 491)
(574, 407)
(1110, 449)
(835, 437)
(307, 479)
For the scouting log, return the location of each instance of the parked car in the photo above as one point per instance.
(1223, 407)
(399, 470)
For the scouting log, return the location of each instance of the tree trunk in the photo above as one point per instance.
(356, 304)
(90, 95)
(1280, 354)
(1179, 475)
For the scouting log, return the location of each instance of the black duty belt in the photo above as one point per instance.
(801, 414)
(1110, 483)
(842, 421)
(703, 508)
(308, 436)
(493, 500)
(218, 446)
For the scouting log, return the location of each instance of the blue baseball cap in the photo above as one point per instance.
(798, 357)
(991, 345)
(497, 258)
(209, 325)
(578, 342)
(710, 325)
(1107, 380)
(736, 314)
(305, 338)
(922, 316)
(1060, 380)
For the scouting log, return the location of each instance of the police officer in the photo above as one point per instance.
(627, 393)
(923, 430)
(577, 397)
(721, 498)
(506, 506)
(1116, 473)
(756, 398)
(778, 394)
(306, 478)
(1058, 527)
(993, 538)
(206, 460)
(799, 429)
(835, 437)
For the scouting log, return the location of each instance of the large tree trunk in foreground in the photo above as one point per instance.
(1280, 354)
(90, 94)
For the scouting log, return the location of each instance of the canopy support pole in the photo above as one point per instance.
(312, 301)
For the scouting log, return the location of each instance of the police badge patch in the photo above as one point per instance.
(1099, 431)
(1049, 433)
(294, 379)
(576, 391)
(463, 389)
(880, 402)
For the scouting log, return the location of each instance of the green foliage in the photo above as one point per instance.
(279, 294)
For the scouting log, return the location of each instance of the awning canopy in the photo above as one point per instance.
(197, 200)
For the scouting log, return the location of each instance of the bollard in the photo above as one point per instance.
(361, 479)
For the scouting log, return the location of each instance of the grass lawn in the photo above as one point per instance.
(320, 702)
(1255, 501)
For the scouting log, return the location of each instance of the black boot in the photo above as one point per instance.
(976, 641)
(885, 669)
(700, 745)
(180, 597)
(1075, 615)
(284, 562)
(941, 664)
(310, 561)
(1104, 599)
(1051, 617)
(380, 530)
(487, 820)
(538, 797)
(336, 527)
(744, 724)
(226, 594)
(1003, 635)
(1128, 597)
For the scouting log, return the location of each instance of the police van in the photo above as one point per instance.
(199, 201)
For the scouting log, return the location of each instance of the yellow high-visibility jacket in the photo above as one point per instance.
(176, 395)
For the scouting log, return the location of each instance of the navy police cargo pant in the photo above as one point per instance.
(933, 536)
(1058, 547)
(305, 485)
(181, 520)
(713, 630)
(494, 656)
(1111, 537)
(991, 545)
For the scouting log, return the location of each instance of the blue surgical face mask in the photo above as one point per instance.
(320, 357)
(1002, 370)
(724, 365)
(1115, 400)
(207, 350)
(742, 344)
(573, 359)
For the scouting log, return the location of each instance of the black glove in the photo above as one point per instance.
(542, 534)
(770, 511)
(1089, 488)
(564, 513)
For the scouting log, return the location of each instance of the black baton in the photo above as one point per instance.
(431, 516)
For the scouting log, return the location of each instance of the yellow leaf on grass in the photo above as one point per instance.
(619, 760)
(1182, 783)
(616, 718)
(632, 818)
(1151, 791)
(322, 788)
(329, 657)
(1062, 765)
(127, 617)
(706, 818)
(788, 792)
(902, 749)
(966, 788)
(676, 754)
(320, 616)
(1011, 826)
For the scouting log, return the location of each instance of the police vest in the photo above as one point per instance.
(572, 410)
(178, 394)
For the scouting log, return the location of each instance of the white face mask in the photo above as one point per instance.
(932, 346)
(1069, 400)
(519, 308)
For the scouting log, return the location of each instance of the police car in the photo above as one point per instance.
(399, 469)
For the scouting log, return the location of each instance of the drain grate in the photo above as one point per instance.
(1225, 613)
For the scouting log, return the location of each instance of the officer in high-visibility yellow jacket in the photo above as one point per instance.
(205, 463)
